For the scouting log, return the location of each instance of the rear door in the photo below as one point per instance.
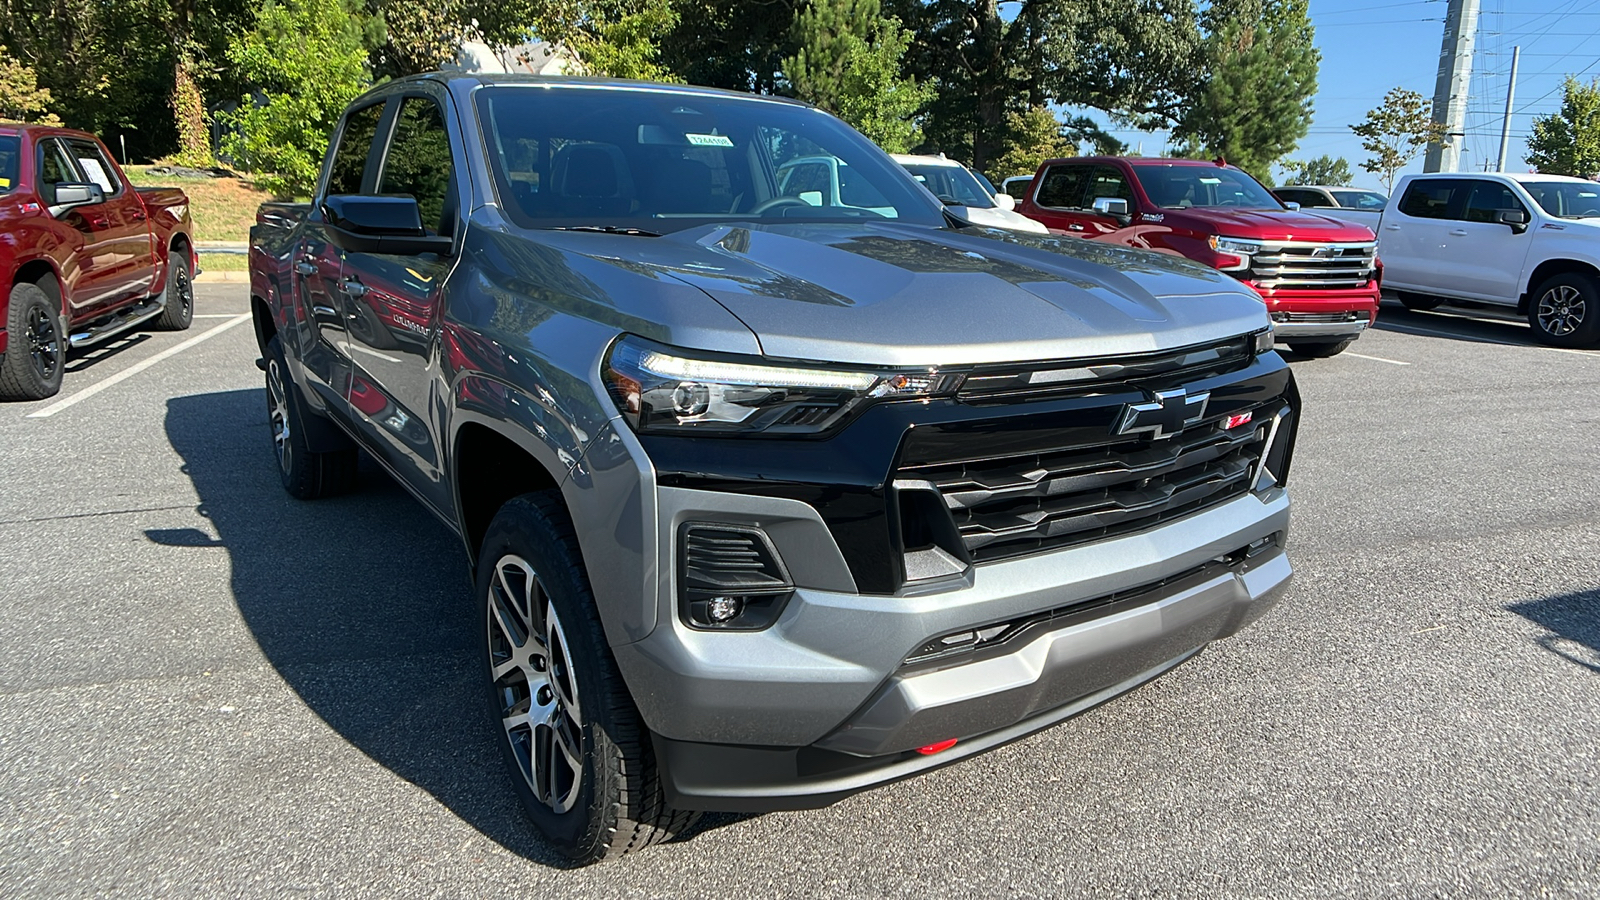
(394, 303)
(1416, 233)
(1058, 201)
(1486, 255)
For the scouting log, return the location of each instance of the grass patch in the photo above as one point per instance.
(223, 208)
(224, 262)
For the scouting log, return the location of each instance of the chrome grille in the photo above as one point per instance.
(1311, 266)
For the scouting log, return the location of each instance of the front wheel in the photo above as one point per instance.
(1565, 311)
(579, 757)
(178, 312)
(1321, 349)
(37, 352)
(1420, 302)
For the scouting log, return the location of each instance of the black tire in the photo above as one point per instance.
(36, 352)
(1565, 311)
(1419, 302)
(179, 294)
(1321, 349)
(530, 570)
(306, 475)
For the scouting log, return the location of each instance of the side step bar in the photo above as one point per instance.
(117, 323)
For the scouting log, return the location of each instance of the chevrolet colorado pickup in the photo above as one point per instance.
(768, 500)
(86, 256)
(1528, 242)
(1319, 276)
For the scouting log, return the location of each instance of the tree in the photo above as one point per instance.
(619, 38)
(1568, 142)
(306, 59)
(1396, 132)
(848, 63)
(1252, 103)
(21, 98)
(1037, 135)
(1323, 170)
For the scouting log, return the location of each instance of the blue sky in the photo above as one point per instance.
(1369, 47)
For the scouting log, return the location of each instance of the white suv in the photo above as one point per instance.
(1526, 241)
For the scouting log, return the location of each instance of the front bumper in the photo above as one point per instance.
(1333, 314)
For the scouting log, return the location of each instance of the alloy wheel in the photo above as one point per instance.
(278, 414)
(44, 345)
(1561, 310)
(535, 684)
(183, 289)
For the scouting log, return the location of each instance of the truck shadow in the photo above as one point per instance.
(1573, 622)
(1476, 325)
(362, 605)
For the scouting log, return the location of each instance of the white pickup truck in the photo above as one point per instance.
(1531, 242)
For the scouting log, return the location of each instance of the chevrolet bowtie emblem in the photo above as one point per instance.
(1168, 413)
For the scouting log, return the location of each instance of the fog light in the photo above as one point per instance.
(724, 609)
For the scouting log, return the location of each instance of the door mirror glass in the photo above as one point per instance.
(85, 194)
(1005, 201)
(1111, 206)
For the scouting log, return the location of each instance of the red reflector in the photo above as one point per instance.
(937, 748)
(1235, 421)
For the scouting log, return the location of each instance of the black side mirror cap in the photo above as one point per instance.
(362, 223)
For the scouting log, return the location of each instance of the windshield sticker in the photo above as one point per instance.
(709, 140)
(1204, 180)
(5, 182)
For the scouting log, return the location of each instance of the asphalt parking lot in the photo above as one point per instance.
(210, 689)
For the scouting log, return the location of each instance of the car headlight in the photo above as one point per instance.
(1264, 341)
(1235, 246)
(662, 389)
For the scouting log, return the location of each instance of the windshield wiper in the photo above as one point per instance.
(606, 229)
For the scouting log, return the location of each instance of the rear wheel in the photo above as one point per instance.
(306, 475)
(1420, 302)
(1321, 349)
(1565, 311)
(36, 352)
(579, 757)
(178, 314)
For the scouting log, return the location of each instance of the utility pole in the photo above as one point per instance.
(1505, 124)
(1450, 90)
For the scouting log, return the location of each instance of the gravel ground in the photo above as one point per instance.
(209, 689)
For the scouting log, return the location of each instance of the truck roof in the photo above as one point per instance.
(583, 82)
(1512, 176)
(16, 128)
(1142, 161)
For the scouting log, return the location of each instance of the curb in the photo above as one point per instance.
(222, 278)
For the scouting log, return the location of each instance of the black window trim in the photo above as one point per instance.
(386, 129)
(379, 139)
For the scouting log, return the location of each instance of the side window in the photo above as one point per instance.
(1429, 198)
(1062, 187)
(94, 166)
(1304, 198)
(54, 168)
(350, 159)
(1486, 198)
(418, 163)
(1109, 182)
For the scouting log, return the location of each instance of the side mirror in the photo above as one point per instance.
(362, 223)
(1005, 201)
(74, 194)
(1290, 205)
(1115, 207)
(1516, 218)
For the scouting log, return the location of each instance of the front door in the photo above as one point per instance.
(395, 309)
(1486, 254)
(122, 234)
(89, 275)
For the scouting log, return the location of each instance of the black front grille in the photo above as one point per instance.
(1018, 504)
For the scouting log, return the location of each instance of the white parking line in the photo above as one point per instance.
(136, 368)
(1392, 362)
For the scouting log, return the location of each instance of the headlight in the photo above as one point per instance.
(1236, 246)
(661, 389)
(1264, 341)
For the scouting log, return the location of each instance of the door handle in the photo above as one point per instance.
(1074, 227)
(324, 311)
(139, 216)
(1391, 228)
(99, 223)
(305, 268)
(354, 289)
(1458, 232)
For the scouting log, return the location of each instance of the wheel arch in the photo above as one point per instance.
(1549, 268)
(490, 466)
(42, 273)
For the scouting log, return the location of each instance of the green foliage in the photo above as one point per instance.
(1324, 170)
(1568, 142)
(421, 35)
(848, 62)
(1253, 103)
(1036, 135)
(619, 38)
(308, 59)
(1396, 132)
(21, 98)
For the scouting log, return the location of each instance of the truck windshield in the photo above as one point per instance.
(952, 184)
(1565, 199)
(10, 149)
(655, 161)
(1186, 186)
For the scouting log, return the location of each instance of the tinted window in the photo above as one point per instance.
(661, 160)
(54, 168)
(10, 149)
(1018, 188)
(418, 162)
(1185, 186)
(1486, 198)
(951, 182)
(350, 160)
(1429, 198)
(1063, 187)
(1565, 199)
(1304, 198)
(1109, 182)
(94, 166)
(1371, 200)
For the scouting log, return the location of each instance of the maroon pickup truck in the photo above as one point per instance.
(87, 256)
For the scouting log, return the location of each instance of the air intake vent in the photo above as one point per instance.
(730, 577)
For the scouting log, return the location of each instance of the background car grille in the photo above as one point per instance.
(1310, 266)
(1013, 505)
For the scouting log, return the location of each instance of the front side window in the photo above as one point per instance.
(419, 165)
(1565, 199)
(659, 161)
(1487, 198)
(55, 168)
(1109, 182)
(1368, 200)
(94, 166)
(355, 144)
(1063, 187)
(10, 162)
(951, 184)
(1187, 186)
(1430, 198)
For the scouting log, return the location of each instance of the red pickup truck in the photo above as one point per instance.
(1318, 276)
(86, 255)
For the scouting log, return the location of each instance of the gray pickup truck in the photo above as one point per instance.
(769, 497)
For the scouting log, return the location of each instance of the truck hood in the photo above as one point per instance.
(1271, 225)
(887, 294)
